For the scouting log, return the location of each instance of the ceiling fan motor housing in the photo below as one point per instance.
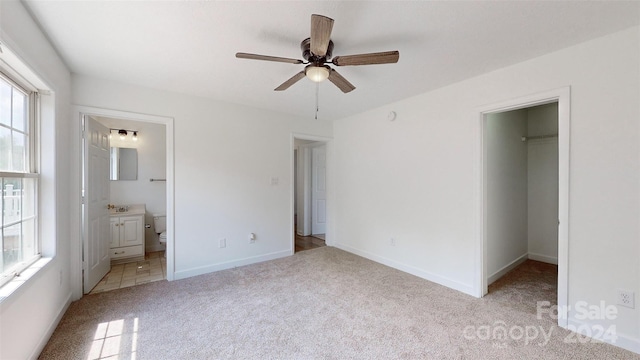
(305, 46)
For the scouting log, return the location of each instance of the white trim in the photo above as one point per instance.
(16, 67)
(52, 327)
(19, 175)
(76, 222)
(15, 79)
(505, 269)
(623, 341)
(564, 139)
(292, 146)
(563, 97)
(183, 274)
(9, 291)
(465, 288)
(9, 276)
(544, 258)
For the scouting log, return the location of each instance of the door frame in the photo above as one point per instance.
(563, 97)
(329, 150)
(76, 238)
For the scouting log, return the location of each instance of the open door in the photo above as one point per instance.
(95, 226)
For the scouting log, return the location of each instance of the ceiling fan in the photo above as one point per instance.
(317, 51)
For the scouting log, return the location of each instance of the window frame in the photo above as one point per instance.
(31, 170)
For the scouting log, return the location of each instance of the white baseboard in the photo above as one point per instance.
(467, 289)
(623, 341)
(510, 266)
(544, 258)
(47, 335)
(183, 274)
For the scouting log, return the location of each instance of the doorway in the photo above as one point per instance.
(136, 224)
(309, 193)
(522, 202)
(137, 154)
(524, 190)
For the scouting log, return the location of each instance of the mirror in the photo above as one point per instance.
(124, 164)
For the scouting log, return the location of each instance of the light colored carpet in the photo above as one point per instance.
(318, 304)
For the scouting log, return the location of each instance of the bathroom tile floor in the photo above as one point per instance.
(152, 268)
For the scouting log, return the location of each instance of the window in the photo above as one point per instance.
(18, 178)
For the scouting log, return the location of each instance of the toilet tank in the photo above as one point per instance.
(159, 223)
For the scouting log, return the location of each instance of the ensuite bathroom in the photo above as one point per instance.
(137, 203)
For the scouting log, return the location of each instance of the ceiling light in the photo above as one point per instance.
(317, 73)
(123, 133)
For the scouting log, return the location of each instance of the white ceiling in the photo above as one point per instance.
(189, 46)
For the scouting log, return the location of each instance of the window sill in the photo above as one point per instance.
(12, 286)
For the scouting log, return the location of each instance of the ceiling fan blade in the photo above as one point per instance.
(267, 58)
(387, 57)
(340, 82)
(320, 34)
(294, 79)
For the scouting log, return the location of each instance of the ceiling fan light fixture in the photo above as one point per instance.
(317, 73)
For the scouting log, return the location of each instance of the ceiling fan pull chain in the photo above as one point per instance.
(317, 91)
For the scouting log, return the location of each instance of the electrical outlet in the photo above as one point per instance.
(392, 241)
(223, 243)
(626, 298)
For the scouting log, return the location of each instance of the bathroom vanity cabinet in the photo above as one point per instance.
(127, 236)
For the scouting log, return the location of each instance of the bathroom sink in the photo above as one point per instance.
(128, 210)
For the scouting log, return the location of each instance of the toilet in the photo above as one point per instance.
(160, 226)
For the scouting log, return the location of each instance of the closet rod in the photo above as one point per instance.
(525, 138)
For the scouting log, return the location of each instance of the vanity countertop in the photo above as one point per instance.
(135, 209)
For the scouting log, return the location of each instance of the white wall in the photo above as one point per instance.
(152, 164)
(225, 158)
(542, 184)
(506, 191)
(417, 179)
(30, 314)
(542, 120)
